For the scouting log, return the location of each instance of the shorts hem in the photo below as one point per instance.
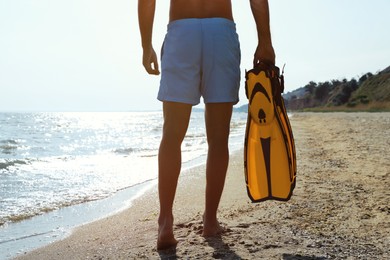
(235, 101)
(176, 100)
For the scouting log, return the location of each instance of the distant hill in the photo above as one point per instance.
(369, 92)
(243, 108)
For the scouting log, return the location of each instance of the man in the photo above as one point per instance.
(200, 57)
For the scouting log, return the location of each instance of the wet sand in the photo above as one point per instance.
(340, 208)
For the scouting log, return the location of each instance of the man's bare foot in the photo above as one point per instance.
(212, 228)
(166, 239)
(164, 243)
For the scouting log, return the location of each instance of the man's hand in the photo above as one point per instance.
(264, 51)
(149, 60)
(265, 54)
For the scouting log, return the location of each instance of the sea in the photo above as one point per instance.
(61, 170)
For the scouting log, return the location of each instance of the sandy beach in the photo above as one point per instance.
(340, 208)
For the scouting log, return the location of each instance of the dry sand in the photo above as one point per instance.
(340, 207)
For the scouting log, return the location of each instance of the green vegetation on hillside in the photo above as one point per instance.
(369, 93)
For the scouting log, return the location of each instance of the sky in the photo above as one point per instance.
(86, 55)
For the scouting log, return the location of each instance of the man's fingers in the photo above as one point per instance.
(153, 72)
(155, 66)
(152, 68)
(150, 61)
(264, 54)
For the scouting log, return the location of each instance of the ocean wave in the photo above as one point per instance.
(195, 135)
(149, 155)
(126, 150)
(30, 212)
(143, 152)
(8, 146)
(4, 164)
(9, 141)
(33, 211)
(157, 129)
(7, 149)
(237, 124)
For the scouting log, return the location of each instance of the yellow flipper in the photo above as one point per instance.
(270, 161)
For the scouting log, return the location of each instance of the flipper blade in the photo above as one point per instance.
(269, 156)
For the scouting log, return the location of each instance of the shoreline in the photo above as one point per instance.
(39, 231)
(42, 230)
(339, 208)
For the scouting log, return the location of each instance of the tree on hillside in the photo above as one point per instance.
(365, 77)
(310, 87)
(322, 90)
(346, 91)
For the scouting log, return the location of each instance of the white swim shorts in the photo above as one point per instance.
(200, 58)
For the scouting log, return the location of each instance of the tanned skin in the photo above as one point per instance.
(177, 115)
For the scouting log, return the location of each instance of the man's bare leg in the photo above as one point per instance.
(218, 118)
(176, 119)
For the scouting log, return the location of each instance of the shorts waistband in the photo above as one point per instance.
(203, 21)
